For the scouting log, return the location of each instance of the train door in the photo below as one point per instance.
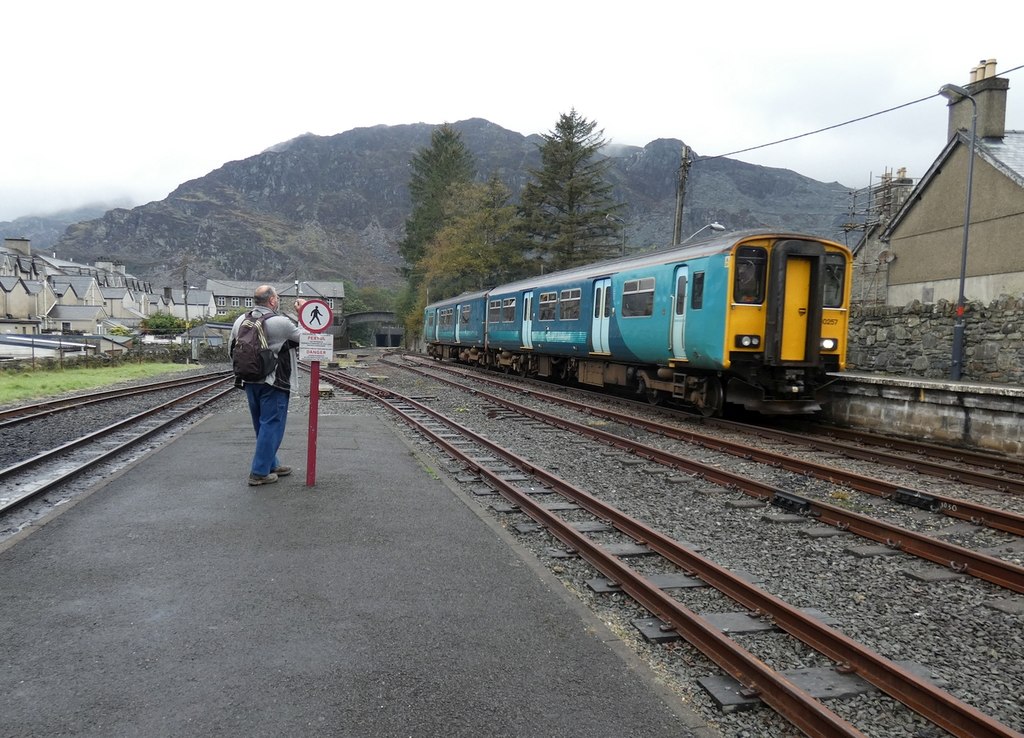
(527, 332)
(796, 310)
(678, 338)
(602, 315)
(457, 318)
(437, 324)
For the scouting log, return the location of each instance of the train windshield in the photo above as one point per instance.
(835, 280)
(751, 267)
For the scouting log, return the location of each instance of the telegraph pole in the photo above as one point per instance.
(684, 169)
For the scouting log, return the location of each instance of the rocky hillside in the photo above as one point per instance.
(332, 207)
(44, 230)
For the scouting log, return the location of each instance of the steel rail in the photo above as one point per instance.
(953, 507)
(789, 700)
(110, 453)
(957, 558)
(959, 455)
(18, 414)
(793, 703)
(932, 468)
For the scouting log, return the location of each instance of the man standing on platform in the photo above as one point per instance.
(268, 399)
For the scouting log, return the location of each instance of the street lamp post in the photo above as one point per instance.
(622, 223)
(953, 93)
(714, 225)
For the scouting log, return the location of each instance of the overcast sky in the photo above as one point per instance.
(108, 99)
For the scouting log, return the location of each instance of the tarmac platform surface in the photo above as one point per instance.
(176, 600)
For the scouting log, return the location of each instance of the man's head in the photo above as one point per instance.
(266, 296)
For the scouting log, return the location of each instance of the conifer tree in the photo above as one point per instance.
(446, 162)
(566, 211)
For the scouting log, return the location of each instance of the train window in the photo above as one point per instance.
(835, 280)
(570, 304)
(681, 294)
(638, 298)
(430, 320)
(751, 266)
(494, 311)
(464, 315)
(445, 317)
(508, 310)
(548, 304)
(697, 293)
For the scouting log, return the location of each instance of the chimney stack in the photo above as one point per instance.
(21, 246)
(989, 92)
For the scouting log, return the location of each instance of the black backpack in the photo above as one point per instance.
(251, 357)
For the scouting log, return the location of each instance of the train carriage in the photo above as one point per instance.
(455, 327)
(756, 318)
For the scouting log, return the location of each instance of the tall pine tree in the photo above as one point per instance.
(444, 164)
(566, 212)
(435, 169)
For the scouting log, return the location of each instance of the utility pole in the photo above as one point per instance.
(184, 293)
(684, 169)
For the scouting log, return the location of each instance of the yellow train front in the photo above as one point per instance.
(786, 321)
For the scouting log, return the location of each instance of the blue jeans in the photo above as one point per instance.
(269, 409)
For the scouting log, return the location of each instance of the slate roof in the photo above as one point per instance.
(80, 285)
(195, 297)
(230, 288)
(77, 312)
(1005, 154)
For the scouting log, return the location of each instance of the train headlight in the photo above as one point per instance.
(748, 341)
(829, 344)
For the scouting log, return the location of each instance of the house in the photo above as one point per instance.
(86, 319)
(24, 304)
(189, 304)
(925, 238)
(42, 294)
(233, 295)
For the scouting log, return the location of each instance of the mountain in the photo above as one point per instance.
(44, 230)
(334, 207)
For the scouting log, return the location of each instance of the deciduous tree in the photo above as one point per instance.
(478, 246)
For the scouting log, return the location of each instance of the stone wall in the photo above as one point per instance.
(916, 340)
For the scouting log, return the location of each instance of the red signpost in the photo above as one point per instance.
(315, 317)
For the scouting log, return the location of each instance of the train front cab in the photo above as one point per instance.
(787, 322)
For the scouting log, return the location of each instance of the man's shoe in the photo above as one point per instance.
(256, 480)
(281, 471)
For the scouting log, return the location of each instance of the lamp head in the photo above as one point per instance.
(953, 93)
(716, 226)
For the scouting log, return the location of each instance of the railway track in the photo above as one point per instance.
(977, 563)
(593, 540)
(67, 461)
(23, 413)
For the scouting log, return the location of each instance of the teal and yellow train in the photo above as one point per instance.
(758, 319)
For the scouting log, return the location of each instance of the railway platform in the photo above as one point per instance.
(175, 600)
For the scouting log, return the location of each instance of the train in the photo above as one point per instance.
(755, 319)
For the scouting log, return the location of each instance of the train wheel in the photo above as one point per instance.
(653, 396)
(712, 398)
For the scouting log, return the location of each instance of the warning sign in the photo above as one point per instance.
(316, 346)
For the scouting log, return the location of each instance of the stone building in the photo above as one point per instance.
(925, 237)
